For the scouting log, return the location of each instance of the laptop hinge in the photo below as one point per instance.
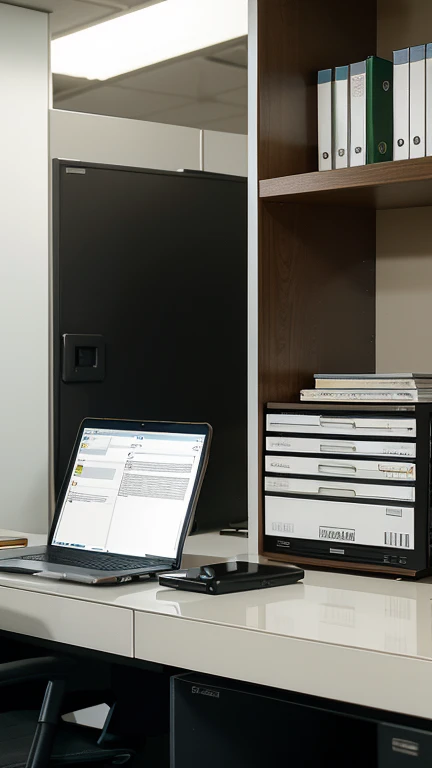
(170, 560)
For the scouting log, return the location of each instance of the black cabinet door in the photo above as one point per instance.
(155, 263)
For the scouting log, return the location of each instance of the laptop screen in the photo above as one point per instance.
(129, 492)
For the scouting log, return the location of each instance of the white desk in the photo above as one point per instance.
(363, 640)
(89, 617)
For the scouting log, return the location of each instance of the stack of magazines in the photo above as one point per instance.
(370, 388)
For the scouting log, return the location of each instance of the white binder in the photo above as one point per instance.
(401, 104)
(358, 113)
(429, 99)
(341, 117)
(325, 141)
(417, 101)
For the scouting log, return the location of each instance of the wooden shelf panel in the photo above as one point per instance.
(401, 184)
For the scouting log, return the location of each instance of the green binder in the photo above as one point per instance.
(379, 110)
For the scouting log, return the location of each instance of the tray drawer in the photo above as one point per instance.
(320, 424)
(329, 467)
(351, 490)
(338, 523)
(341, 446)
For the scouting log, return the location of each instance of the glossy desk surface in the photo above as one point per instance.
(354, 638)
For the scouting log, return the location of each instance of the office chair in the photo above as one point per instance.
(32, 739)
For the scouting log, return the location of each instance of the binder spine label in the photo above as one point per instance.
(401, 97)
(341, 117)
(417, 101)
(325, 134)
(358, 113)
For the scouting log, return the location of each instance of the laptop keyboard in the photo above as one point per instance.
(99, 562)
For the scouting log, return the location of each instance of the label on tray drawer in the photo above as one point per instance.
(342, 522)
(337, 534)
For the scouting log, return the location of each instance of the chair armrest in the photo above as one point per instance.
(35, 670)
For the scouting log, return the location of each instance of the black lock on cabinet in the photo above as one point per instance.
(83, 357)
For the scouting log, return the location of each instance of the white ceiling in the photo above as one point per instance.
(201, 91)
(70, 15)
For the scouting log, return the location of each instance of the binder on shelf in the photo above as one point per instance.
(371, 108)
(417, 101)
(325, 138)
(401, 101)
(358, 113)
(341, 117)
(429, 99)
(379, 110)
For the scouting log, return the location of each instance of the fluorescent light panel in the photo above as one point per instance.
(153, 34)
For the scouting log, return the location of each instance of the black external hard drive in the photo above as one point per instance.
(233, 576)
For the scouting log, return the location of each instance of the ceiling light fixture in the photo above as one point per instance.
(148, 36)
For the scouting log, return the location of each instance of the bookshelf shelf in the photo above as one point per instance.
(402, 184)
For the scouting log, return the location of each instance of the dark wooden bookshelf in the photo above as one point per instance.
(402, 184)
(317, 231)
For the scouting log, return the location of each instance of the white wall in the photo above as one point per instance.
(116, 140)
(225, 152)
(404, 290)
(24, 269)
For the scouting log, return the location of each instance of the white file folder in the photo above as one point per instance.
(325, 140)
(417, 101)
(341, 117)
(401, 104)
(358, 113)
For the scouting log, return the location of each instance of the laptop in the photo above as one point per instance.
(126, 504)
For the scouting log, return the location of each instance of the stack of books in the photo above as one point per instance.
(376, 110)
(370, 388)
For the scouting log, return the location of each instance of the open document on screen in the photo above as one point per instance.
(129, 492)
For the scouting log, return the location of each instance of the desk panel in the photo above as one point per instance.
(65, 620)
(383, 680)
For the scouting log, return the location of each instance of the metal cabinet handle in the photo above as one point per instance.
(337, 447)
(332, 491)
(326, 422)
(330, 468)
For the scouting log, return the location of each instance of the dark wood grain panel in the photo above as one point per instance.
(402, 184)
(344, 565)
(316, 296)
(296, 38)
(316, 299)
(316, 272)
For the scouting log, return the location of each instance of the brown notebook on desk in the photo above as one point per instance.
(13, 541)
